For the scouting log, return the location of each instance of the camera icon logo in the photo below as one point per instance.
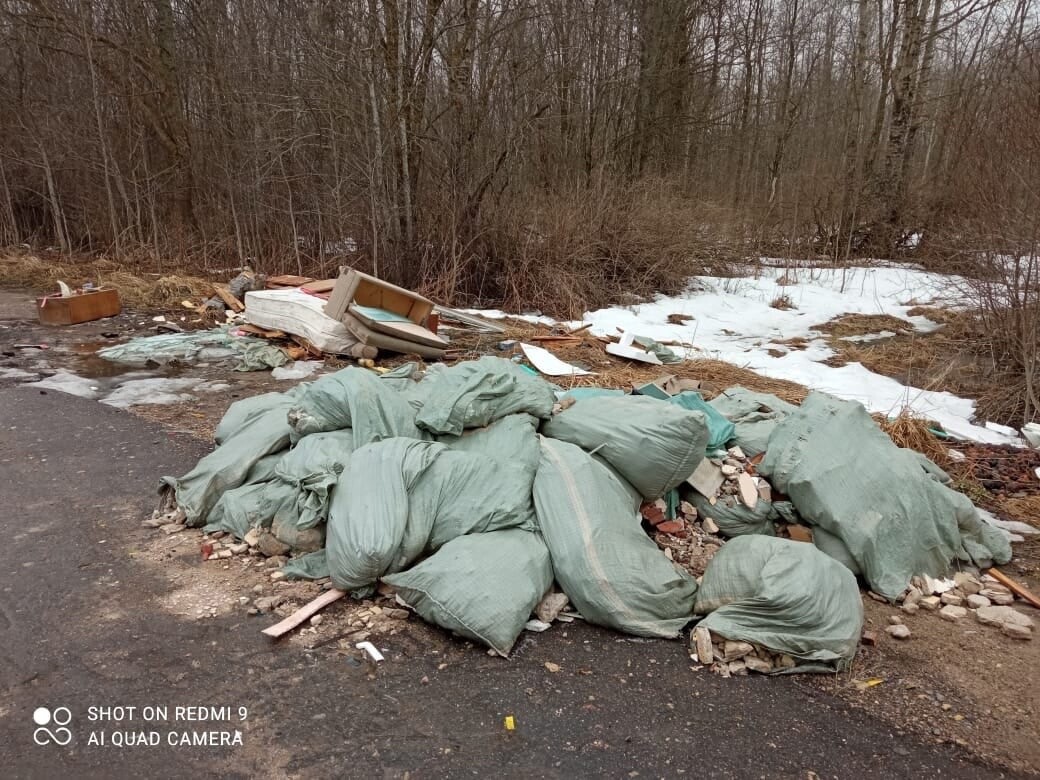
(60, 717)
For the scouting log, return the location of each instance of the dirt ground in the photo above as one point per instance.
(961, 683)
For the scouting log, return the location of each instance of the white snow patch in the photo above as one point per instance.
(159, 390)
(17, 373)
(67, 382)
(733, 321)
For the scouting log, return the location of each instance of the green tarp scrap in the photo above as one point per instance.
(212, 346)
(261, 432)
(372, 407)
(754, 416)
(845, 475)
(734, 518)
(482, 586)
(475, 393)
(608, 567)
(720, 430)
(786, 596)
(654, 445)
(663, 353)
(312, 566)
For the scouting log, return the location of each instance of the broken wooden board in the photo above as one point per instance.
(305, 612)
(311, 349)
(319, 286)
(256, 330)
(225, 295)
(706, 479)
(287, 280)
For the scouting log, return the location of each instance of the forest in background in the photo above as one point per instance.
(538, 153)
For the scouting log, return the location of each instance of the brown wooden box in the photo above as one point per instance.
(364, 290)
(78, 308)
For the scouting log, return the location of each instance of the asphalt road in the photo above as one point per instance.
(81, 627)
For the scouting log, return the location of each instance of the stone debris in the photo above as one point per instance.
(895, 620)
(1010, 621)
(910, 609)
(952, 599)
(898, 631)
(702, 644)
(931, 603)
(952, 613)
(551, 605)
(733, 651)
(967, 583)
(977, 601)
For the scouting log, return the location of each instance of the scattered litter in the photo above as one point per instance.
(300, 369)
(550, 365)
(625, 349)
(370, 648)
(510, 723)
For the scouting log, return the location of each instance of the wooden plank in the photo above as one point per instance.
(564, 339)
(311, 349)
(225, 295)
(256, 330)
(319, 286)
(288, 280)
(305, 612)
(1019, 590)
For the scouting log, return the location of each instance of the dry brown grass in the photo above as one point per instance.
(862, 325)
(911, 431)
(31, 272)
(1025, 509)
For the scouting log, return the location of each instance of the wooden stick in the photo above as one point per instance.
(225, 295)
(304, 613)
(582, 328)
(1020, 590)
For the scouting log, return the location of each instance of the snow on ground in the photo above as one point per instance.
(733, 321)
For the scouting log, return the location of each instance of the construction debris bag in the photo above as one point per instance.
(475, 393)
(845, 475)
(481, 586)
(404, 498)
(605, 563)
(735, 518)
(509, 448)
(355, 398)
(786, 596)
(249, 506)
(754, 416)
(313, 467)
(654, 445)
(258, 431)
(369, 513)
